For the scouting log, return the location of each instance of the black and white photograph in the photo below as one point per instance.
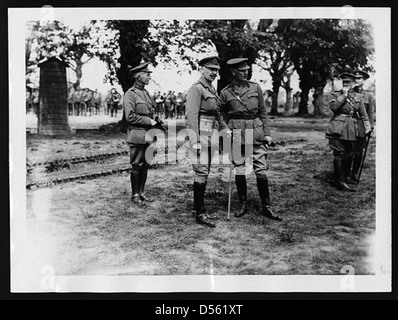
(200, 149)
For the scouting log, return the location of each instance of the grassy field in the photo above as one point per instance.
(91, 228)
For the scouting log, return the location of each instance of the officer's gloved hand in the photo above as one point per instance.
(369, 133)
(153, 123)
(268, 140)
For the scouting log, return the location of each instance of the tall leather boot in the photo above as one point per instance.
(356, 165)
(199, 190)
(347, 164)
(135, 178)
(144, 177)
(263, 190)
(340, 176)
(241, 185)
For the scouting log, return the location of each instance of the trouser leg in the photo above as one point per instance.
(343, 157)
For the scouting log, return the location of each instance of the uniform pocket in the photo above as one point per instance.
(336, 127)
(258, 134)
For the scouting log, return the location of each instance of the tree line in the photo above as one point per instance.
(317, 49)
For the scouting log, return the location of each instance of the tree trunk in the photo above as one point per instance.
(275, 87)
(79, 73)
(318, 102)
(274, 106)
(303, 109)
(305, 86)
(289, 99)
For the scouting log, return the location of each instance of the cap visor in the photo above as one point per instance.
(212, 66)
(244, 68)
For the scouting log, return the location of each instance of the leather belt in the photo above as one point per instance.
(243, 116)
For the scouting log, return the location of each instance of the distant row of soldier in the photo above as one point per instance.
(81, 102)
(170, 105)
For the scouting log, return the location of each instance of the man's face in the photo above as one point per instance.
(360, 81)
(145, 77)
(210, 74)
(240, 75)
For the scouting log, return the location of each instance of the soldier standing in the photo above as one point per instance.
(204, 120)
(139, 109)
(244, 109)
(369, 101)
(115, 99)
(350, 122)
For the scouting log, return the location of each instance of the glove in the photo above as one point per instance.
(369, 133)
(268, 140)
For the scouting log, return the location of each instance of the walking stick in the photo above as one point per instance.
(363, 159)
(230, 191)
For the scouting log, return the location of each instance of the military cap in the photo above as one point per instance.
(210, 62)
(348, 77)
(143, 67)
(361, 74)
(238, 64)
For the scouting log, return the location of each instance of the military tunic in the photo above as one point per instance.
(139, 109)
(350, 122)
(244, 109)
(204, 121)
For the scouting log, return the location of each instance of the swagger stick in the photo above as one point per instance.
(363, 159)
(230, 191)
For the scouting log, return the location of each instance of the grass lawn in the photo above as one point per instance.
(91, 228)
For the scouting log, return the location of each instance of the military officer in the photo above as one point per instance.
(204, 121)
(244, 109)
(139, 110)
(349, 122)
(369, 101)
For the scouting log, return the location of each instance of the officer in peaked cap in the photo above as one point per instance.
(210, 62)
(139, 110)
(370, 106)
(142, 67)
(204, 121)
(361, 74)
(349, 123)
(244, 110)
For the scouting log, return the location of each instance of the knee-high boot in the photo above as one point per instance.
(135, 178)
(144, 177)
(340, 175)
(199, 190)
(263, 190)
(241, 185)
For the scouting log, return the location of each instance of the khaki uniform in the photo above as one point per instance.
(350, 122)
(139, 109)
(204, 120)
(244, 110)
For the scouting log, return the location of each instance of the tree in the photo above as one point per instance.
(274, 57)
(319, 48)
(231, 39)
(77, 47)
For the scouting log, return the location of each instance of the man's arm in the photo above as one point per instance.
(194, 99)
(364, 116)
(263, 113)
(129, 105)
(371, 109)
(337, 102)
